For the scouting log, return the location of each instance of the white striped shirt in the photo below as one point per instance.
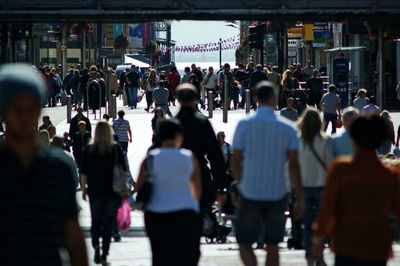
(264, 139)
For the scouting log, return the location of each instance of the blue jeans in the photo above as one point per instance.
(312, 198)
(133, 96)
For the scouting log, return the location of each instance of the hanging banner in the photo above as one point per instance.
(145, 34)
(117, 31)
(227, 44)
(135, 35)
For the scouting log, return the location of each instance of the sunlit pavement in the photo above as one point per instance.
(134, 248)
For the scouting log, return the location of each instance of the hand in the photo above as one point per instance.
(130, 140)
(84, 194)
(317, 252)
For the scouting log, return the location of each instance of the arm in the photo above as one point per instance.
(237, 164)
(75, 243)
(295, 179)
(141, 176)
(321, 104)
(130, 134)
(84, 186)
(195, 180)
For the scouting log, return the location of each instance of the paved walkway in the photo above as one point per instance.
(135, 249)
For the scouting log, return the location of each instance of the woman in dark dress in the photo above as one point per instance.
(98, 162)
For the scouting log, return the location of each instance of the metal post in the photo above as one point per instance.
(84, 51)
(248, 101)
(379, 92)
(69, 108)
(64, 53)
(220, 52)
(225, 111)
(114, 105)
(210, 104)
(100, 103)
(203, 94)
(87, 100)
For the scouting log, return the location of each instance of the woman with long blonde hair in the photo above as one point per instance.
(97, 172)
(315, 153)
(289, 85)
(152, 83)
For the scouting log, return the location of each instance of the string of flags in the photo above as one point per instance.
(227, 44)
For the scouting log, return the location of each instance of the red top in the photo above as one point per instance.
(359, 196)
(174, 78)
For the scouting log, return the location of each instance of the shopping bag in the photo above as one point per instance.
(124, 217)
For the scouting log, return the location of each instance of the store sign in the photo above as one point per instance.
(295, 33)
(294, 42)
(117, 30)
(320, 38)
(135, 35)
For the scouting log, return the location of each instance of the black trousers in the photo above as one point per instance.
(124, 145)
(149, 99)
(103, 211)
(330, 118)
(349, 261)
(162, 228)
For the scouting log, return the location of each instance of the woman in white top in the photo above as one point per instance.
(171, 213)
(151, 84)
(315, 153)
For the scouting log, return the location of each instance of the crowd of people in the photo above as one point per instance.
(275, 163)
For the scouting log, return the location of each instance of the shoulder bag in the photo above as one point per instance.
(144, 194)
(319, 159)
(121, 184)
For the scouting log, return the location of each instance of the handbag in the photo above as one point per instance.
(144, 194)
(121, 184)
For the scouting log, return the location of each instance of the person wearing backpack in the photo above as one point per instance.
(316, 151)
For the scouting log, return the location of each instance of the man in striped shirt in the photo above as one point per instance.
(262, 145)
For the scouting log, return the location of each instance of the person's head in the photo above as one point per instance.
(22, 92)
(332, 88)
(169, 133)
(152, 74)
(79, 110)
(308, 62)
(298, 66)
(310, 125)
(103, 136)
(265, 93)
(227, 66)
(386, 116)
(162, 83)
(121, 114)
(368, 132)
(46, 120)
(44, 138)
(52, 131)
(93, 68)
(250, 65)
(187, 94)
(174, 69)
(315, 73)
(66, 135)
(82, 126)
(76, 72)
(361, 93)
(58, 142)
(372, 100)
(193, 66)
(106, 117)
(159, 113)
(133, 67)
(259, 67)
(187, 69)
(241, 67)
(210, 70)
(192, 78)
(221, 137)
(288, 74)
(290, 103)
(349, 115)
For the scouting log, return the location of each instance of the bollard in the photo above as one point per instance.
(114, 106)
(110, 107)
(226, 91)
(100, 103)
(69, 108)
(248, 101)
(210, 103)
(203, 94)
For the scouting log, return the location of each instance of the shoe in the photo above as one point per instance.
(97, 258)
(104, 261)
(117, 238)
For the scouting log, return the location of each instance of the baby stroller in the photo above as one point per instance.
(215, 231)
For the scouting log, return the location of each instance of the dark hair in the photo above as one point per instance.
(173, 69)
(369, 132)
(332, 88)
(106, 116)
(162, 83)
(186, 95)
(264, 91)
(121, 113)
(167, 129)
(187, 69)
(372, 100)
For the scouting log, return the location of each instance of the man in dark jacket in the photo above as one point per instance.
(79, 141)
(199, 137)
(73, 126)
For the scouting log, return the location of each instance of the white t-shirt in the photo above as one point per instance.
(211, 81)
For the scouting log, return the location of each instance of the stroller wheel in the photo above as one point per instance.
(290, 243)
(209, 240)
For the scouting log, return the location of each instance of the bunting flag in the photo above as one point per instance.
(228, 44)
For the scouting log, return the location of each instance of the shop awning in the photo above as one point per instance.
(132, 61)
(346, 49)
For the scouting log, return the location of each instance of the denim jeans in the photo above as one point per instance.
(133, 96)
(103, 211)
(312, 198)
